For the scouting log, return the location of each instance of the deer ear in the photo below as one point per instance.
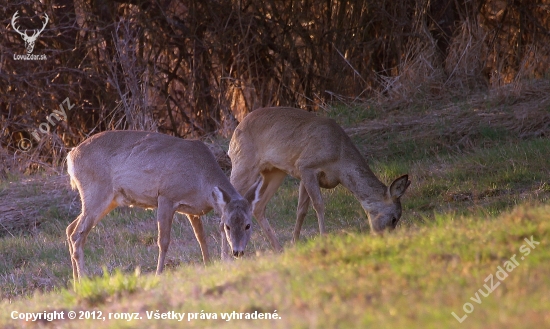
(220, 197)
(253, 193)
(399, 186)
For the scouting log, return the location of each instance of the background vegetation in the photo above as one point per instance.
(191, 68)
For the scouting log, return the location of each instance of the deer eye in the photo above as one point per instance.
(227, 227)
(247, 227)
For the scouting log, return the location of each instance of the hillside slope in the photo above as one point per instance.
(411, 279)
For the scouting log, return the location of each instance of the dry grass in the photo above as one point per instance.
(516, 111)
(27, 202)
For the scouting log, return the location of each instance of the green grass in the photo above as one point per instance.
(411, 278)
(97, 290)
(497, 178)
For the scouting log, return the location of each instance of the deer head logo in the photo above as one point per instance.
(29, 40)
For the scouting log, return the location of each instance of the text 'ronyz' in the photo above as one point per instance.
(59, 115)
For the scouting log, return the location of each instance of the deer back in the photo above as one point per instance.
(140, 166)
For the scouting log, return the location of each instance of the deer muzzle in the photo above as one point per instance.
(237, 253)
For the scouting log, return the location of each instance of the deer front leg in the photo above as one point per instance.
(311, 185)
(165, 215)
(199, 234)
(303, 205)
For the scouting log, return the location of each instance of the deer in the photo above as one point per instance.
(280, 141)
(29, 39)
(154, 170)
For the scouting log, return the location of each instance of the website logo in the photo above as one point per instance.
(29, 39)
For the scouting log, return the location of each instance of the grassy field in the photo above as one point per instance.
(473, 241)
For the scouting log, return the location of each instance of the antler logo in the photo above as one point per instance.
(29, 40)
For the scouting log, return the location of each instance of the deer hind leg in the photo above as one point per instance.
(199, 234)
(311, 185)
(303, 205)
(165, 215)
(271, 181)
(94, 208)
(69, 231)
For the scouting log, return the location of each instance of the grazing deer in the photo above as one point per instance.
(274, 142)
(152, 170)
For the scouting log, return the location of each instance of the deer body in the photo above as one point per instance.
(274, 142)
(152, 170)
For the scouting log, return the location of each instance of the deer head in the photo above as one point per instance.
(29, 40)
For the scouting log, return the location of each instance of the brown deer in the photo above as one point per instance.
(274, 142)
(152, 170)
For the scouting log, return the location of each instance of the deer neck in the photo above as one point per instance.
(364, 185)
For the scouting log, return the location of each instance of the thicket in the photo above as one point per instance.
(191, 68)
